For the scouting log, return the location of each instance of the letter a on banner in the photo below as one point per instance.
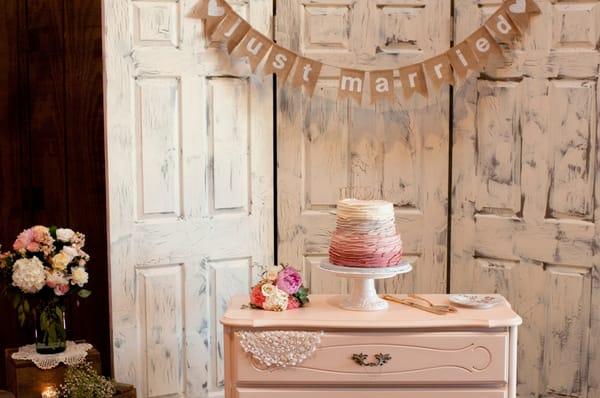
(280, 62)
(352, 84)
(254, 46)
(382, 85)
(413, 80)
(306, 74)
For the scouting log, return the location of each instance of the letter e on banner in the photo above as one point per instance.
(280, 62)
(483, 45)
(382, 85)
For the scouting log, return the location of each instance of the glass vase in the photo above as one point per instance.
(50, 327)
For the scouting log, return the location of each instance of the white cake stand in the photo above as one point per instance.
(363, 296)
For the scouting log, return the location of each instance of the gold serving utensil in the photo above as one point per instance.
(441, 307)
(413, 304)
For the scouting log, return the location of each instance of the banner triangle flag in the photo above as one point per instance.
(306, 74)
(382, 85)
(231, 30)
(351, 85)
(462, 59)
(413, 80)
(254, 46)
(280, 62)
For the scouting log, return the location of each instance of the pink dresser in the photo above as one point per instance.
(398, 353)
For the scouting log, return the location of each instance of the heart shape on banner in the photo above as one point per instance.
(519, 7)
(215, 11)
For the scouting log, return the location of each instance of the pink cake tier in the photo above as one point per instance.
(365, 235)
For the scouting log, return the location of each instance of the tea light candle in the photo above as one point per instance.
(50, 392)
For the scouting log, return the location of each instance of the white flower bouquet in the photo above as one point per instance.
(45, 265)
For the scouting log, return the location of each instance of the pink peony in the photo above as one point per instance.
(293, 303)
(256, 297)
(24, 239)
(61, 290)
(289, 280)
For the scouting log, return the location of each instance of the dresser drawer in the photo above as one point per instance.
(372, 393)
(443, 358)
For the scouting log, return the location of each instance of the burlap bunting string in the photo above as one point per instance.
(223, 25)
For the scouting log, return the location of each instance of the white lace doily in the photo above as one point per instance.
(279, 349)
(73, 355)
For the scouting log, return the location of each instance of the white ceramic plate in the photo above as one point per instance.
(479, 301)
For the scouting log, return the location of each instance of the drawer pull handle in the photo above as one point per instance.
(380, 359)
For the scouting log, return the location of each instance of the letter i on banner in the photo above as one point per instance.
(439, 71)
(352, 85)
(280, 62)
(502, 26)
(306, 74)
(462, 59)
(231, 30)
(382, 85)
(254, 46)
(484, 45)
(413, 80)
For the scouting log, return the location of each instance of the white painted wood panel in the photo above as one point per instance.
(526, 187)
(398, 152)
(190, 184)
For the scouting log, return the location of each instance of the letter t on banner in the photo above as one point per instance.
(307, 74)
(352, 84)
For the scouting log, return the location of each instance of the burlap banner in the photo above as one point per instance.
(223, 25)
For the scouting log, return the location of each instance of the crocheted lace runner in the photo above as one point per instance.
(73, 355)
(279, 349)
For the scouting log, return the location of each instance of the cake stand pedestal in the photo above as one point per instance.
(363, 296)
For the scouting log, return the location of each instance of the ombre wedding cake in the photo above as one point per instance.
(365, 235)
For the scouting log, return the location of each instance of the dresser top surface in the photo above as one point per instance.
(324, 312)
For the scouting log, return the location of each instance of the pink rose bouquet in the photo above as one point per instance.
(280, 289)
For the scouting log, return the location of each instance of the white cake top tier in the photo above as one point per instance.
(365, 209)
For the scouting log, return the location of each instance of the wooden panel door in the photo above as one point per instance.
(398, 152)
(526, 188)
(190, 181)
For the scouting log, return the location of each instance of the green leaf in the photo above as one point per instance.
(16, 301)
(26, 306)
(53, 229)
(84, 293)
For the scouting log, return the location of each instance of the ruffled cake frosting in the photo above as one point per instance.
(365, 235)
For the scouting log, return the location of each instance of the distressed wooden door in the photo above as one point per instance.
(526, 188)
(398, 152)
(190, 181)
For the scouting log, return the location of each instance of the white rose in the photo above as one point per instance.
(79, 276)
(29, 275)
(70, 251)
(276, 301)
(268, 289)
(56, 278)
(65, 234)
(272, 273)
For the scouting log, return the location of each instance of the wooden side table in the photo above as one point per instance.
(401, 352)
(25, 380)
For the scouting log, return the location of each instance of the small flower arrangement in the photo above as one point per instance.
(45, 265)
(280, 289)
(82, 381)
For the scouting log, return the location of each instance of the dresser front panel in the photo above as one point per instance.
(432, 358)
(372, 393)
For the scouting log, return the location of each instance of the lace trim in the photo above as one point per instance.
(73, 355)
(279, 349)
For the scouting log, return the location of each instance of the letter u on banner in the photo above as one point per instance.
(413, 80)
(352, 85)
(382, 85)
(254, 46)
(280, 62)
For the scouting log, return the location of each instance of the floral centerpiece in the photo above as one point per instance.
(280, 289)
(44, 266)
